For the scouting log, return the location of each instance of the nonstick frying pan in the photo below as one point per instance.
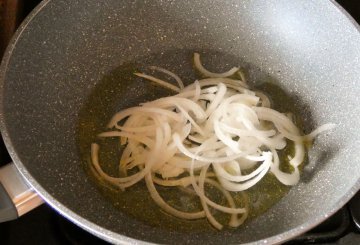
(60, 55)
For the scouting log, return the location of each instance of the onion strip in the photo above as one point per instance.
(207, 73)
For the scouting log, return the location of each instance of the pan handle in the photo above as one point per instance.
(16, 196)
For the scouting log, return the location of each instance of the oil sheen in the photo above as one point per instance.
(121, 89)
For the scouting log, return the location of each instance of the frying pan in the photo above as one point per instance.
(60, 55)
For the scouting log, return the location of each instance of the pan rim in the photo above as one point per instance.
(96, 229)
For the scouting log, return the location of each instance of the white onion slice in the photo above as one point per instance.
(158, 81)
(207, 73)
(171, 74)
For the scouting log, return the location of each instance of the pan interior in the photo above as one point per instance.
(66, 50)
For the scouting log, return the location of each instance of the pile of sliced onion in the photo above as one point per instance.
(211, 132)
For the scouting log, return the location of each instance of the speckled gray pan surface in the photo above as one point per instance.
(60, 55)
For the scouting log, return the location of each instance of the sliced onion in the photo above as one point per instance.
(171, 74)
(158, 81)
(208, 133)
(207, 73)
